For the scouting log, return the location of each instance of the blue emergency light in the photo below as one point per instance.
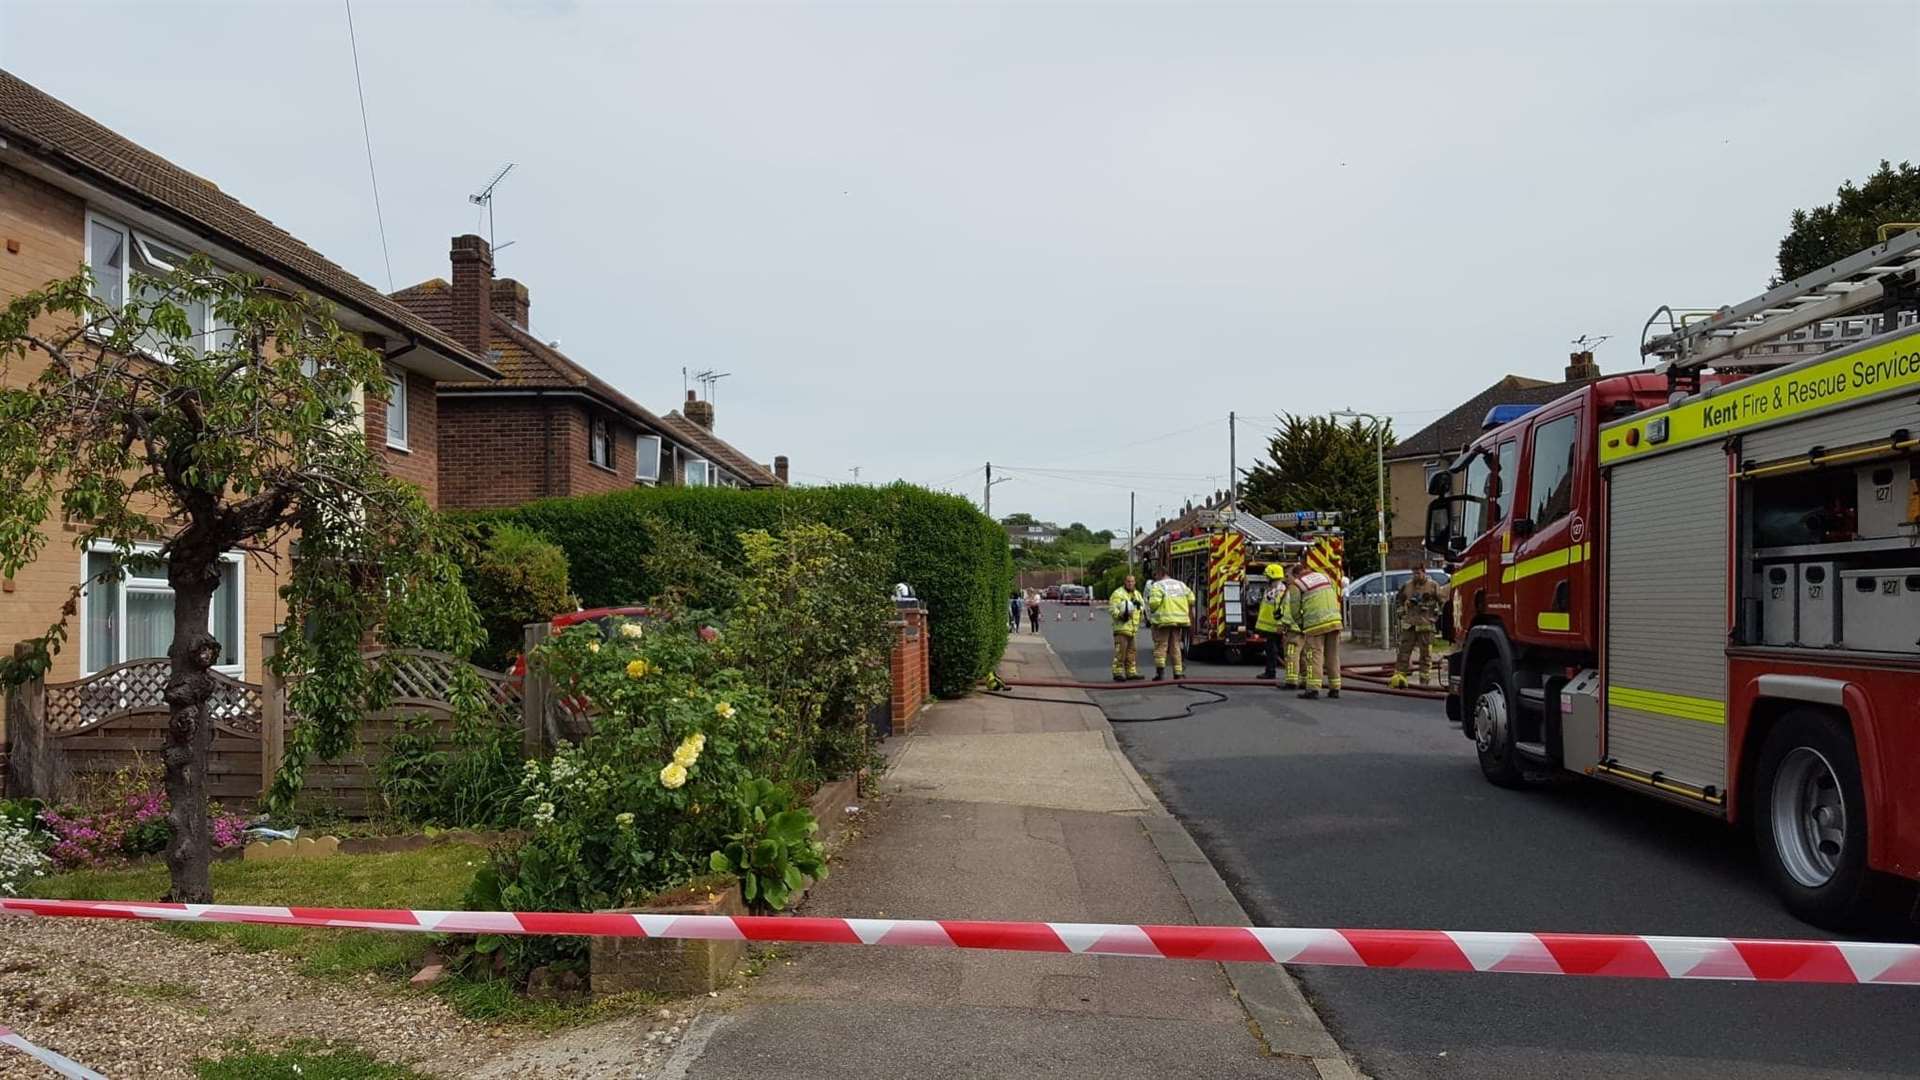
(1503, 414)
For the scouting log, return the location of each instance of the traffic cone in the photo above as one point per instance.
(1056, 615)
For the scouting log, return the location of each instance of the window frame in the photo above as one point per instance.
(237, 668)
(600, 443)
(1535, 473)
(397, 394)
(139, 240)
(641, 457)
(686, 471)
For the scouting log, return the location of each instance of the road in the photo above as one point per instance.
(1370, 811)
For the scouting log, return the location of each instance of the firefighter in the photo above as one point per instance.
(1315, 601)
(1169, 606)
(1417, 612)
(1275, 622)
(1127, 606)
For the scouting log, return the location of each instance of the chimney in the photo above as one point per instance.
(1580, 365)
(472, 284)
(510, 301)
(700, 412)
(780, 467)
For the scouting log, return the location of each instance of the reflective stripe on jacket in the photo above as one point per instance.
(1126, 609)
(1275, 615)
(1171, 603)
(1315, 603)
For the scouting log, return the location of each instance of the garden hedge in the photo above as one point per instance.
(955, 557)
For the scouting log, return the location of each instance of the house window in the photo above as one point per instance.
(116, 253)
(600, 445)
(396, 410)
(646, 458)
(696, 472)
(132, 618)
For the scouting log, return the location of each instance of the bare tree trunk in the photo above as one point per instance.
(194, 651)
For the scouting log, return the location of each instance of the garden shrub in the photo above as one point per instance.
(514, 576)
(22, 849)
(122, 816)
(470, 786)
(643, 801)
(956, 559)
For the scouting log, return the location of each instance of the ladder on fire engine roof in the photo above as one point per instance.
(1801, 318)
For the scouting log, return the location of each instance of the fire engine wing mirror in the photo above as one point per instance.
(1440, 484)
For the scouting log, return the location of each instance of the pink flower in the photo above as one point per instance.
(708, 633)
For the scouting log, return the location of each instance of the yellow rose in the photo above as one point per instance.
(631, 630)
(686, 754)
(593, 646)
(674, 775)
(724, 710)
(638, 669)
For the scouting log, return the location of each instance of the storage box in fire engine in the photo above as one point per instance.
(1882, 490)
(1778, 589)
(1818, 611)
(1881, 609)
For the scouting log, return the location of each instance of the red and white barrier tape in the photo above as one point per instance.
(59, 1063)
(1633, 956)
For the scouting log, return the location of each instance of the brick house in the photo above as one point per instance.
(74, 193)
(547, 426)
(1414, 459)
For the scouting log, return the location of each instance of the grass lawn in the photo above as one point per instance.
(433, 878)
(301, 1061)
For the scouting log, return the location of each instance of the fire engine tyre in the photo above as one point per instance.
(1810, 819)
(1489, 708)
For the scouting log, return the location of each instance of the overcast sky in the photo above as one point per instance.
(924, 236)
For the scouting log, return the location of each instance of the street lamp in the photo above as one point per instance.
(1380, 513)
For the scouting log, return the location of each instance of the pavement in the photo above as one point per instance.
(1013, 809)
(1371, 811)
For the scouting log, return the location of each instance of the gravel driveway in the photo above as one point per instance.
(132, 1001)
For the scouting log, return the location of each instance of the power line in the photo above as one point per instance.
(366, 133)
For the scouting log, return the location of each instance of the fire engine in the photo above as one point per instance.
(1225, 566)
(1701, 582)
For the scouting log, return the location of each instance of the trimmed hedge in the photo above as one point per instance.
(956, 559)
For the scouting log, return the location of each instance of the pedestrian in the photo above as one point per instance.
(1315, 600)
(1013, 612)
(1170, 607)
(1417, 613)
(1126, 605)
(1033, 609)
(1274, 621)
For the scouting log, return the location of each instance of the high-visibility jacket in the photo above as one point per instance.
(1126, 606)
(1274, 616)
(1315, 603)
(1170, 602)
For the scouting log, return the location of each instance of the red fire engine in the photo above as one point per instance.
(1702, 582)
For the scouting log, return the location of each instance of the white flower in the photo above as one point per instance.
(631, 630)
(543, 814)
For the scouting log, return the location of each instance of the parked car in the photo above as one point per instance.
(1361, 602)
(1052, 593)
(1075, 594)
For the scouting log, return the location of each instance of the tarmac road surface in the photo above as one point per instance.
(1371, 811)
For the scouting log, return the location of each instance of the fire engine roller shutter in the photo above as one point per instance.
(1666, 615)
(1873, 422)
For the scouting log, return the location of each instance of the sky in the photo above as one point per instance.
(1066, 238)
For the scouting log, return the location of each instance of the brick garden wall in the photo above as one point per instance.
(909, 668)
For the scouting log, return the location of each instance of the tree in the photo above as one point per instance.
(138, 427)
(1851, 222)
(1021, 518)
(1316, 463)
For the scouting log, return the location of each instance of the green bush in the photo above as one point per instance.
(515, 577)
(955, 558)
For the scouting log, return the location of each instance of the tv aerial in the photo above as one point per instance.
(484, 199)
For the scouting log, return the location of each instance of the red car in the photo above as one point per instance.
(605, 618)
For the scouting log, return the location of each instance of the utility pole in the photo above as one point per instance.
(1130, 497)
(987, 502)
(1233, 467)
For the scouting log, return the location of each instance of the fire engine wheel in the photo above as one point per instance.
(1235, 655)
(1810, 819)
(1490, 711)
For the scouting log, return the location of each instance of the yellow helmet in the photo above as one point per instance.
(1275, 571)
